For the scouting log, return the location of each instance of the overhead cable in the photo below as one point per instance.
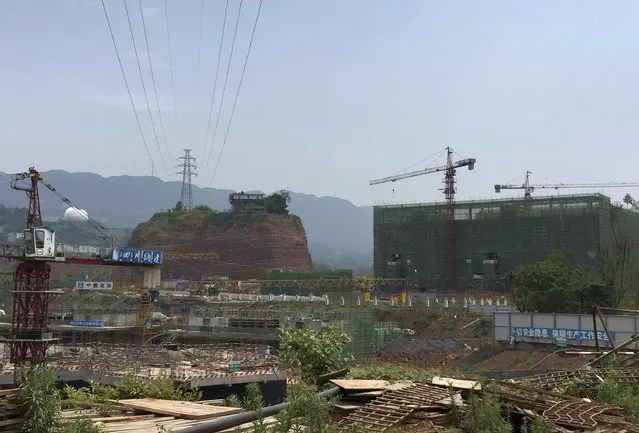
(217, 74)
(126, 83)
(199, 51)
(146, 96)
(239, 87)
(226, 79)
(155, 89)
(175, 107)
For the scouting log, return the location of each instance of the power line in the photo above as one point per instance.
(226, 79)
(239, 87)
(168, 36)
(217, 73)
(155, 89)
(146, 96)
(126, 83)
(199, 51)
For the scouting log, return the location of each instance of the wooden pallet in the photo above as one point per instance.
(393, 407)
(10, 420)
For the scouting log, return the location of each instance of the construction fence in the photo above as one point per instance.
(482, 304)
(571, 329)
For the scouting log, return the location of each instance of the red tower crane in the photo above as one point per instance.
(449, 192)
(529, 189)
(29, 336)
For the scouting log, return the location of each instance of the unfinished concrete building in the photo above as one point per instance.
(493, 237)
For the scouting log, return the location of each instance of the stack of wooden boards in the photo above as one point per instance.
(10, 420)
(148, 415)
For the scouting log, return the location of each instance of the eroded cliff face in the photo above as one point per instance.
(247, 243)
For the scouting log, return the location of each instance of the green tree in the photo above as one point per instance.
(544, 287)
(630, 201)
(277, 202)
(618, 270)
(311, 354)
(553, 286)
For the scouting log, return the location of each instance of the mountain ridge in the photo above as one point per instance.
(339, 232)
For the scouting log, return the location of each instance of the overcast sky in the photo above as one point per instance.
(336, 92)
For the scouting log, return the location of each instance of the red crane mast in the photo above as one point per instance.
(30, 337)
(450, 170)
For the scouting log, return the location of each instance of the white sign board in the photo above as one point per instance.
(93, 285)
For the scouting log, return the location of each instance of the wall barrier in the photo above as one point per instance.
(573, 329)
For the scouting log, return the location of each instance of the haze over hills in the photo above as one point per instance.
(339, 233)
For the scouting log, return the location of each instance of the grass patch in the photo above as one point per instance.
(484, 415)
(395, 372)
(612, 392)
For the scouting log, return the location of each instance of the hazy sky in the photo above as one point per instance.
(337, 92)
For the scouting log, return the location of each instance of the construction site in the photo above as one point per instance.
(219, 334)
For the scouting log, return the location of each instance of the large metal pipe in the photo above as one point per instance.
(231, 421)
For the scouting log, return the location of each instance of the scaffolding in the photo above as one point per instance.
(367, 335)
(493, 237)
(182, 362)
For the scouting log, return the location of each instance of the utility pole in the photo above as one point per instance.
(188, 171)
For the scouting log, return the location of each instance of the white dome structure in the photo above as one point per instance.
(75, 214)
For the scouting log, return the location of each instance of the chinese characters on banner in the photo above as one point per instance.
(568, 334)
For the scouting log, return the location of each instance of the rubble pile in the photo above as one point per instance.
(380, 406)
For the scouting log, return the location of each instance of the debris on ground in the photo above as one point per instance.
(432, 405)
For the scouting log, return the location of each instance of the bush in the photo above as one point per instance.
(40, 400)
(130, 386)
(483, 415)
(307, 412)
(310, 353)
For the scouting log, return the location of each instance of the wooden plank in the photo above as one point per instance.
(364, 395)
(347, 406)
(178, 409)
(360, 385)
(128, 418)
(456, 383)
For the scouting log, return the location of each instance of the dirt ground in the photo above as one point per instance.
(437, 324)
(529, 359)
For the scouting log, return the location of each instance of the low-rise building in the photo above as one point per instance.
(245, 201)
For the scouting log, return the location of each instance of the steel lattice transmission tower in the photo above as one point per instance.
(188, 171)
